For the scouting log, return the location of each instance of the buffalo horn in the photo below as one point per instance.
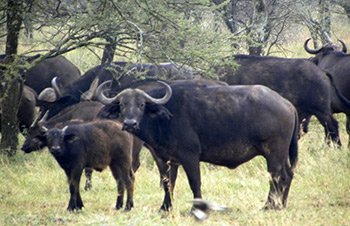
(90, 94)
(100, 96)
(64, 129)
(344, 50)
(43, 119)
(105, 100)
(162, 100)
(311, 51)
(44, 129)
(48, 95)
(55, 87)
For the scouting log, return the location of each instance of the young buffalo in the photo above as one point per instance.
(96, 145)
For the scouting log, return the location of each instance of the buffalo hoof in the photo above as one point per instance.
(72, 209)
(129, 206)
(273, 206)
(88, 186)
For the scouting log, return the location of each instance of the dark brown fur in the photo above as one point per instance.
(96, 145)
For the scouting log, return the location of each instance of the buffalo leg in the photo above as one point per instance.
(305, 121)
(88, 174)
(75, 201)
(348, 128)
(125, 177)
(191, 167)
(169, 175)
(136, 149)
(330, 125)
(281, 179)
(120, 197)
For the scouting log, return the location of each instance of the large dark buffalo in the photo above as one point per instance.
(39, 76)
(95, 144)
(122, 74)
(222, 125)
(300, 81)
(26, 110)
(333, 58)
(37, 79)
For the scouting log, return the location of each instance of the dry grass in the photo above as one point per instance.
(33, 191)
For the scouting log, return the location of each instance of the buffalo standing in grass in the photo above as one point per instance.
(222, 125)
(335, 60)
(96, 144)
(307, 87)
(83, 112)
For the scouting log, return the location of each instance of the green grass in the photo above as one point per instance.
(34, 191)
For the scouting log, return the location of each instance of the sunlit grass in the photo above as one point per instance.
(34, 191)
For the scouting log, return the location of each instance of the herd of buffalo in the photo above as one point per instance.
(105, 116)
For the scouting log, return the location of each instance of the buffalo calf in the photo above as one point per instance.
(96, 145)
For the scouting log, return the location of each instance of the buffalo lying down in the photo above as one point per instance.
(222, 125)
(96, 144)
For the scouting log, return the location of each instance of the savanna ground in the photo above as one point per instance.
(34, 189)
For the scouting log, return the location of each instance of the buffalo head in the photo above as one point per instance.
(58, 139)
(36, 138)
(325, 49)
(130, 105)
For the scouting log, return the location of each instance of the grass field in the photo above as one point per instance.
(34, 191)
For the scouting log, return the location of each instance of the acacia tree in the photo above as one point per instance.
(11, 82)
(135, 29)
(258, 23)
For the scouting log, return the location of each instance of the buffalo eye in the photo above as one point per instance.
(71, 138)
(142, 105)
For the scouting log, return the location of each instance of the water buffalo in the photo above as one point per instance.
(38, 78)
(95, 144)
(122, 74)
(333, 58)
(300, 81)
(26, 110)
(83, 112)
(40, 75)
(222, 125)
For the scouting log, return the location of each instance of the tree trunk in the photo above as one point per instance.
(11, 91)
(260, 26)
(325, 21)
(108, 52)
(229, 12)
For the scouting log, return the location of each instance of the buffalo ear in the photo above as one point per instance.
(111, 111)
(71, 138)
(158, 111)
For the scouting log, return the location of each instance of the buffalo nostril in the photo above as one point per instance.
(129, 124)
(55, 150)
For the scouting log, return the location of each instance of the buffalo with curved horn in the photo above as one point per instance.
(186, 123)
(334, 59)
